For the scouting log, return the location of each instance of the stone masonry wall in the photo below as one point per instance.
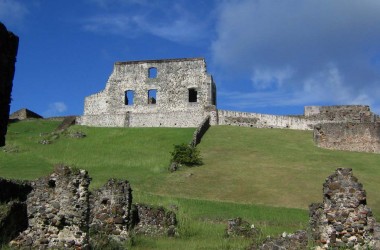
(343, 219)
(111, 209)
(200, 131)
(343, 113)
(256, 120)
(57, 211)
(362, 137)
(172, 106)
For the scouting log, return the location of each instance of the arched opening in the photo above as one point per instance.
(193, 95)
(128, 97)
(152, 96)
(152, 72)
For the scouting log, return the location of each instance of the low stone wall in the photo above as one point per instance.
(256, 120)
(362, 137)
(343, 219)
(200, 131)
(153, 221)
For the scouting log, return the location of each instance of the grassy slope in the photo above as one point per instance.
(270, 166)
(244, 168)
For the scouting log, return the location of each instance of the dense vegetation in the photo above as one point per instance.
(265, 176)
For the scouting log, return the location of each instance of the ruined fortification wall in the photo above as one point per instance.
(362, 137)
(181, 88)
(343, 113)
(313, 115)
(256, 120)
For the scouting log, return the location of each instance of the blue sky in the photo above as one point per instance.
(266, 56)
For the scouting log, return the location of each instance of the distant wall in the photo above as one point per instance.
(362, 137)
(256, 120)
(343, 113)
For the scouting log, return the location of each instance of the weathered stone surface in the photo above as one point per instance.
(362, 137)
(153, 221)
(313, 115)
(58, 211)
(239, 227)
(184, 93)
(111, 209)
(23, 114)
(296, 241)
(341, 113)
(8, 53)
(343, 219)
(200, 131)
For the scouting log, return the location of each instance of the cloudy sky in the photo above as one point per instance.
(266, 56)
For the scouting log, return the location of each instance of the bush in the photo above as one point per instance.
(186, 154)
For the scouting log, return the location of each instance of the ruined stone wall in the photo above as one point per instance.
(362, 137)
(23, 114)
(57, 211)
(343, 113)
(111, 209)
(256, 120)
(173, 103)
(8, 53)
(343, 219)
(200, 131)
(61, 213)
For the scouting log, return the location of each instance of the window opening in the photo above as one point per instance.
(152, 96)
(128, 97)
(152, 72)
(193, 95)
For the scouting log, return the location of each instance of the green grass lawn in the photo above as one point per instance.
(266, 176)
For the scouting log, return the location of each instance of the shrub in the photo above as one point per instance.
(186, 154)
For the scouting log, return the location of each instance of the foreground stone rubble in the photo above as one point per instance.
(61, 212)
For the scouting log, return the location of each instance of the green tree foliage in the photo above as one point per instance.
(186, 154)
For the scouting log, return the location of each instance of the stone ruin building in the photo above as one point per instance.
(8, 53)
(153, 93)
(180, 93)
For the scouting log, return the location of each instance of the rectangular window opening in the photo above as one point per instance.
(128, 97)
(152, 96)
(193, 95)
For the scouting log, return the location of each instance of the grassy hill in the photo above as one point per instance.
(266, 176)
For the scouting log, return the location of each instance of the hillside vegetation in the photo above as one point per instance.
(266, 176)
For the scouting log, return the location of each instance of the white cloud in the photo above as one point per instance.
(302, 50)
(167, 20)
(55, 109)
(12, 11)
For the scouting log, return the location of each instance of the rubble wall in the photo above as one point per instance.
(343, 219)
